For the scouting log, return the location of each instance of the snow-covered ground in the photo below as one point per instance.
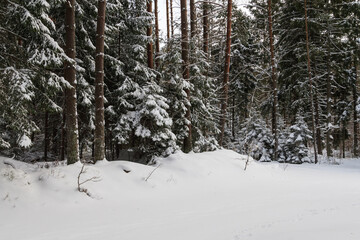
(206, 196)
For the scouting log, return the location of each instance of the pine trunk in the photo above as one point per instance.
(99, 138)
(167, 20)
(46, 135)
(157, 42)
(206, 28)
(149, 34)
(310, 83)
(72, 150)
(192, 19)
(63, 136)
(226, 74)
(171, 18)
(317, 122)
(328, 109)
(186, 72)
(274, 83)
(355, 98)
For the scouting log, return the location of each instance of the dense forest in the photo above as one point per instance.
(86, 79)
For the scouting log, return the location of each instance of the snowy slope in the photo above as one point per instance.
(206, 196)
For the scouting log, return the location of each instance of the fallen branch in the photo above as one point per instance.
(152, 172)
(9, 164)
(92, 179)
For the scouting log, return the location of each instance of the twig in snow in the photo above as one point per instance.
(152, 172)
(92, 179)
(251, 149)
(247, 161)
(10, 164)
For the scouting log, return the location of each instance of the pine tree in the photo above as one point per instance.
(226, 74)
(186, 71)
(256, 139)
(29, 69)
(139, 116)
(296, 143)
(70, 94)
(99, 139)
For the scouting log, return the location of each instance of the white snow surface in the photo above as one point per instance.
(196, 196)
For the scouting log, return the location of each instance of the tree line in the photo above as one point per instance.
(95, 77)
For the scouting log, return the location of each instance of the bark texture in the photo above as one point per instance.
(167, 20)
(192, 19)
(157, 41)
(274, 83)
(310, 84)
(355, 98)
(150, 49)
(206, 27)
(186, 71)
(172, 18)
(226, 74)
(70, 93)
(99, 140)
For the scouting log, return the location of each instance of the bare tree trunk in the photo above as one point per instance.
(206, 28)
(149, 34)
(70, 93)
(63, 136)
(172, 18)
(317, 118)
(157, 42)
(328, 111)
(167, 20)
(274, 83)
(99, 140)
(233, 117)
(46, 135)
(343, 140)
(186, 72)
(310, 84)
(329, 152)
(317, 122)
(355, 97)
(192, 19)
(226, 74)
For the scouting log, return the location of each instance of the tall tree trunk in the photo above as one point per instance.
(171, 18)
(167, 20)
(157, 41)
(328, 111)
(206, 27)
(149, 34)
(317, 118)
(355, 97)
(46, 135)
(226, 74)
(70, 93)
(343, 140)
(274, 83)
(54, 139)
(63, 136)
(186, 72)
(192, 19)
(233, 117)
(329, 152)
(317, 122)
(99, 140)
(310, 84)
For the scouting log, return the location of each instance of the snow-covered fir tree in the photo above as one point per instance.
(294, 143)
(140, 118)
(256, 139)
(31, 60)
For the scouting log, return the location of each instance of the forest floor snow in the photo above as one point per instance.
(196, 196)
